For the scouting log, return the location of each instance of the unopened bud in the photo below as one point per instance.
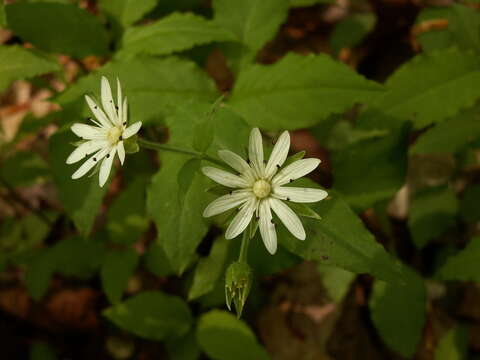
(238, 282)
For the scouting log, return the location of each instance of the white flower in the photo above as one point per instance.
(105, 139)
(260, 189)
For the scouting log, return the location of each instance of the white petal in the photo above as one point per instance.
(124, 111)
(107, 100)
(119, 102)
(255, 151)
(85, 149)
(224, 178)
(236, 162)
(90, 163)
(106, 167)
(88, 132)
(288, 218)
(225, 203)
(279, 154)
(121, 152)
(241, 220)
(295, 170)
(299, 195)
(131, 130)
(267, 227)
(99, 114)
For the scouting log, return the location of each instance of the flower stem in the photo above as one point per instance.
(152, 145)
(244, 247)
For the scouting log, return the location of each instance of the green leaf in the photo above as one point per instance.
(81, 198)
(298, 91)
(463, 266)
(451, 135)
(340, 239)
(24, 168)
(453, 345)
(64, 28)
(252, 22)
(126, 219)
(152, 315)
(223, 337)
(3, 16)
(432, 211)
(38, 275)
(336, 281)
(119, 265)
(448, 74)
(350, 31)
(398, 312)
(155, 87)
(304, 210)
(18, 63)
(127, 12)
(174, 33)
(77, 257)
(465, 25)
(210, 269)
(42, 351)
(180, 226)
(378, 166)
(156, 261)
(185, 177)
(469, 209)
(205, 130)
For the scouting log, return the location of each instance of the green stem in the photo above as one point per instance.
(152, 145)
(244, 247)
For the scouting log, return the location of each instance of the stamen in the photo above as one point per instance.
(94, 159)
(273, 222)
(278, 166)
(124, 123)
(116, 107)
(108, 155)
(291, 180)
(288, 199)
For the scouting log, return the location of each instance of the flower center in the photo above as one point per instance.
(261, 188)
(113, 135)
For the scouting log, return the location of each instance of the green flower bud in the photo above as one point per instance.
(238, 282)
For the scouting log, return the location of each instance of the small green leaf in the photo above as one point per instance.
(24, 168)
(340, 239)
(398, 312)
(453, 345)
(209, 269)
(336, 281)
(205, 130)
(350, 31)
(152, 315)
(185, 178)
(127, 12)
(3, 16)
(17, 63)
(38, 275)
(463, 266)
(223, 337)
(450, 75)
(304, 210)
(157, 261)
(451, 135)
(291, 159)
(176, 32)
(184, 348)
(81, 198)
(378, 165)
(432, 211)
(126, 219)
(117, 268)
(64, 28)
(469, 209)
(305, 88)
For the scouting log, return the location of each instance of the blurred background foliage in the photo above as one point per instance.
(385, 92)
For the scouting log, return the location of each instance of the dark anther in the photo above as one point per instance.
(95, 107)
(273, 222)
(121, 137)
(278, 166)
(248, 161)
(111, 101)
(94, 159)
(231, 192)
(116, 107)
(288, 199)
(89, 119)
(108, 155)
(257, 218)
(124, 123)
(324, 257)
(291, 180)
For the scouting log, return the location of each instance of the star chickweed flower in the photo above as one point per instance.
(259, 189)
(105, 139)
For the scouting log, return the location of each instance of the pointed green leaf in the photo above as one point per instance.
(152, 315)
(176, 32)
(453, 345)
(117, 269)
(17, 63)
(398, 312)
(223, 337)
(463, 266)
(127, 12)
(64, 28)
(298, 91)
